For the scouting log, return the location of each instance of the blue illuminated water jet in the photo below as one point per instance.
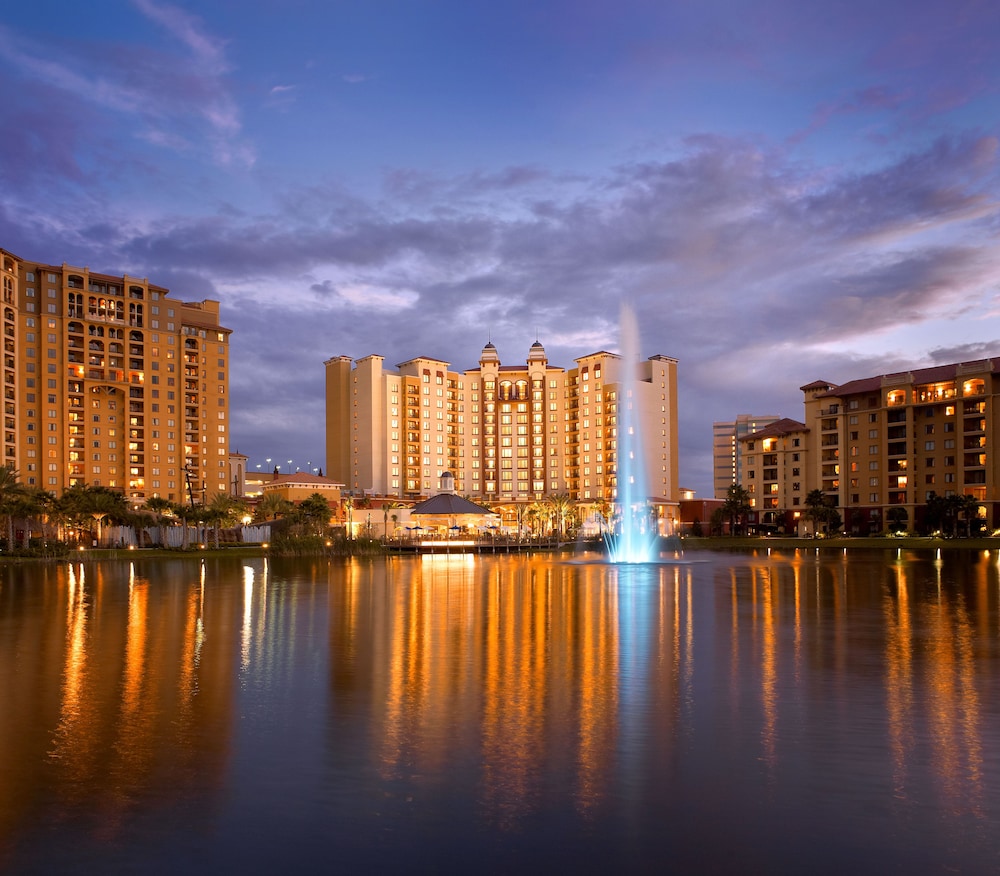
(633, 535)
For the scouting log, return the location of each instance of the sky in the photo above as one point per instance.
(782, 191)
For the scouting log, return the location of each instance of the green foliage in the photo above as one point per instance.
(821, 510)
(736, 507)
(292, 543)
(953, 515)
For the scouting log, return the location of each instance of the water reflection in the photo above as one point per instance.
(509, 697)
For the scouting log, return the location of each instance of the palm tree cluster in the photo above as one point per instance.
(82, 513)
(953, 515)
(821, 511)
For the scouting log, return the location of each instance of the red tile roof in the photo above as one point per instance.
(916, 376)
(778, 429)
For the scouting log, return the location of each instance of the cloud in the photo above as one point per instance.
(368, 297)
(177, 102)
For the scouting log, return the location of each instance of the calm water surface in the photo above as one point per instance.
(727, 713)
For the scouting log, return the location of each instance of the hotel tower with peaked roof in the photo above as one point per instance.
(509, 434)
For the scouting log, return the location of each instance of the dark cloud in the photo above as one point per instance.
(966, 352)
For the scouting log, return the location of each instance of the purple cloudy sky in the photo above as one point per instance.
(784, 190)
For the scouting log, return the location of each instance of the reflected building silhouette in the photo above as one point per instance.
(112, 687)
(542, 663)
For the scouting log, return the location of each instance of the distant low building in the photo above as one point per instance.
(696, 515)
(301, 485)
(447, 511)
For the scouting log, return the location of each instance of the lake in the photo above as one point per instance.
(749, 712)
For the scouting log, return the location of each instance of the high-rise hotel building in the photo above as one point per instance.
(508, 433)
(109, 381)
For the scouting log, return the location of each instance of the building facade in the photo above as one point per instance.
(775, 466)
(885, 443)
(879, 447)
(109, 381)
(726, 459)
(508, 433)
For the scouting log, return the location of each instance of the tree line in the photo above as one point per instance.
(82, 513)
(954, 515)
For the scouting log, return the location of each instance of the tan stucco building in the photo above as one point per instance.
(878, 447)
(301, 485)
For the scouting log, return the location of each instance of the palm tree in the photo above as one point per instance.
(223, 509)
(349, 510)
(386, 516)
(736, 506)
(272, 506)
(817, 508)
(162, 509)
(94, 506)
(561, 504)
(967, 508)
(187, 515)
(315, 511)
(603, 509)
(11, 496)
(44, 504)
(12, 493)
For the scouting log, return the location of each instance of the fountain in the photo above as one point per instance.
(633, 535)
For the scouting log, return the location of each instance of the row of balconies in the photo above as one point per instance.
(935, 394)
